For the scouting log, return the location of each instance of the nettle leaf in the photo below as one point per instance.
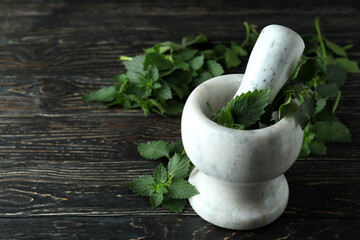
(190, 40)
(158, 60)
(333, 131)
(135, 69)
(181, 189)
(153, 150)
(202, 77)
(304, 151)
(175, 205)
(317, 147)
(164, 92)
(184, 54)
(156, 199)
(160, 174)
(350, 66)
(225, 117)
(154, 73)
(335, 48)
(120, 78)
(245, 109)
(107, 94)
(141, 186)
(306, 110)
(327, 90)
(307, 70)
(320, 104)
(325, 116)
(239, 50)
(175, 147)
(197, 62)
(179, 166)
(231, 58)
(173, 107)
(336, 74)
(214, 68)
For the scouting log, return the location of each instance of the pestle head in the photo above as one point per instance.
(272, 60)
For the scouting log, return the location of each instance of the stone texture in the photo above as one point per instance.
(273, 59)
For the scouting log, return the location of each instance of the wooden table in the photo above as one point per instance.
(64, 162)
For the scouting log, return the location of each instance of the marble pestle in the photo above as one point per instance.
(240, 173)
(273, 59)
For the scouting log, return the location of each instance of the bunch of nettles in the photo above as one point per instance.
(161, 79)
(167, 188)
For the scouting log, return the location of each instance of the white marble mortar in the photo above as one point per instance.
(239, 173)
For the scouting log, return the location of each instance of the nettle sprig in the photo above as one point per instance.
(315, 84)
(167, 188)
(161, 79)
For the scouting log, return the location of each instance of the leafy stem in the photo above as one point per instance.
(319, 37)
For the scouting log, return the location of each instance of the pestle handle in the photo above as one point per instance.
(272, 60)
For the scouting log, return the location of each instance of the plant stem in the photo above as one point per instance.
(317, 26)
(247, 27)
(336, 102)
(125, 58)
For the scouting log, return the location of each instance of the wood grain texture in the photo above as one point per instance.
(64, 162)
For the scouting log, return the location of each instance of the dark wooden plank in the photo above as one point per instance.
(174, 227)
(64, 162)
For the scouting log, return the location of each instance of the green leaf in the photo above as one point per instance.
(158, 105)
(225, 117)
(153, 150)
(239, 50)
(305, 151)
(246, 108)
(333, 131)
(135, 69)
(178, 166)
(283, 105)
(154, 74)
(164, 92)
(214, 68)
(173, 107)
(202, 77)
(184, 55)
(181, 189)
(325, 116)
(317, 147)
(141, 185)
(197, 62)
(175, 205)
(335, 48)
(120, 78)
(175, 147)
(190, 40)
(158, 60)
(231, 59)
(102, 95)
(160, 174)
(320, 104)
(156, 199)
(306, 110)
(327, 90)
(164, 47)
(336, 74)
(350, 66)
(307, 70)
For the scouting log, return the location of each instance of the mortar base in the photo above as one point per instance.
(238, 206)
